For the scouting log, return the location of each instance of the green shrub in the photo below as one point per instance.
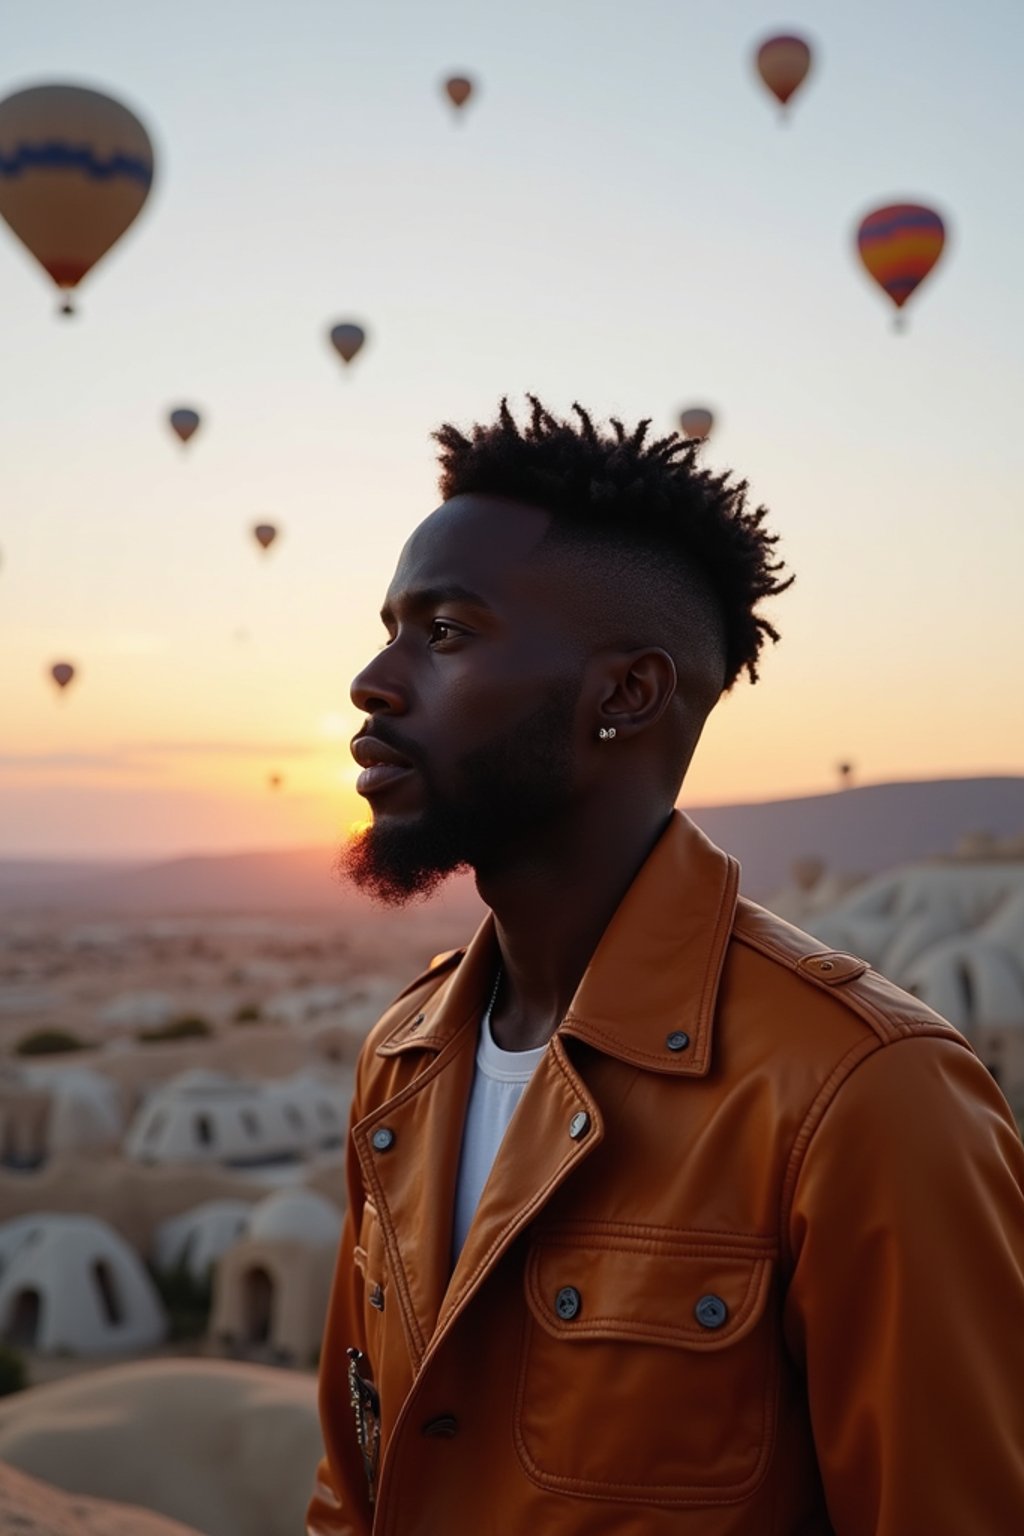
(186, 1300)
(48, 1042)
(248, 1013)
(189, 1027)
(13, 1375)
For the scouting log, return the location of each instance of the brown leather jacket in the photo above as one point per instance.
(750, 1261)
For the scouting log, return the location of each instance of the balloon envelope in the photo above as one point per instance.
(458, 90)
(265, 534)
(62, 672)
(696, 421)
(184, 422)
(347, 338)
(75, 170)
(899, 245)
(783, 64)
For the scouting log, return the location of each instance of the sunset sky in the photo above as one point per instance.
(617, 217)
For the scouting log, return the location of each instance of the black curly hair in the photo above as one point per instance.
(647, 499)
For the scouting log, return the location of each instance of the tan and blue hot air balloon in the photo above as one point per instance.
(75, 169)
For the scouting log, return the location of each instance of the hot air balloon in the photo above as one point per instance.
(783, 64)
(275, 780)
(458, 90)
(696, 421)
(265, 534)
(62, 672)
(347, 339)
(75, 170)
(184, 422)
(899, 245)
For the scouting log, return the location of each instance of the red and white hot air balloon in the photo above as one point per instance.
(784, 63)
(696, 421)
(458, 89)
(62, 673)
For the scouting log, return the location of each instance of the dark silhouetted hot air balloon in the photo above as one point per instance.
(62, 672)
(347, 339)
(184, 422)
(265, 534)
(845, 771)
(899, 245)
(75, 170)
(783, 64)
(275, 780)
(458, 90)
(696, 421)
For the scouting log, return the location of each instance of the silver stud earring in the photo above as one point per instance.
(606, 734)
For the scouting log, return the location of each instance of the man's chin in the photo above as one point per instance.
(392, 862)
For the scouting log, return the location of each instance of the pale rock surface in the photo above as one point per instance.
(31, 1508)
(228, 1448)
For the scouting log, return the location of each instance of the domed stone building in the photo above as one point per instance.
(203, 1117)
(70, 1283)
(196, 1239)
(49, 1111)
(271, 1288)
(953, 934)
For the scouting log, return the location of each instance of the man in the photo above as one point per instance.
(662, 1221)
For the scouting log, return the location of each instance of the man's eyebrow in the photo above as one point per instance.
(418, 598)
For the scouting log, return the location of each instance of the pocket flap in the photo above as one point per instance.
(690, 1290)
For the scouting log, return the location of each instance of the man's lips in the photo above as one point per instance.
(382, 766)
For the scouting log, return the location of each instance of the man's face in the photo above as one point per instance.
(468, 750)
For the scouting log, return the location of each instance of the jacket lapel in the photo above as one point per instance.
(536, 1156)
(412, 1180)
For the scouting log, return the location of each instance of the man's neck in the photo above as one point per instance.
(550, 909)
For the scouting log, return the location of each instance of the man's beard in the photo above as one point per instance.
(506, 792)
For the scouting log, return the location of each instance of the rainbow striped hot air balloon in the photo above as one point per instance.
(899, 245)
(75, 169)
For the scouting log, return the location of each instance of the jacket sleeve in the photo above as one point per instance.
(339, 1505)
(906, 1304)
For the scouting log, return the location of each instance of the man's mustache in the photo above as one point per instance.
(379, 730)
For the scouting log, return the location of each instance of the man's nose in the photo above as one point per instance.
(376, 689)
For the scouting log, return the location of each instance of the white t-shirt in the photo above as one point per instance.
(497, 1088)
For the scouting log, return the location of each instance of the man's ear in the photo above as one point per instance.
(638, 688)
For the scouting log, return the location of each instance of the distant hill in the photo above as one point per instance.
(862, 831)
(856, 831)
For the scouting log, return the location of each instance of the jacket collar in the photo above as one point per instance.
(654, 974)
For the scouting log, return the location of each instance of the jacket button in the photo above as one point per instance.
(578, 1124)
(567, 1302)
(382, 1138)
(443, 1427)
(678, 1040)
(711, 1311)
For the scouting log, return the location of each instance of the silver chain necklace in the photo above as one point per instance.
(494, 998)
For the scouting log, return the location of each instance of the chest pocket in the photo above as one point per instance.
(369, 1258)
(648, 1366)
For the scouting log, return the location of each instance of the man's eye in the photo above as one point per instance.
(441, 630)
